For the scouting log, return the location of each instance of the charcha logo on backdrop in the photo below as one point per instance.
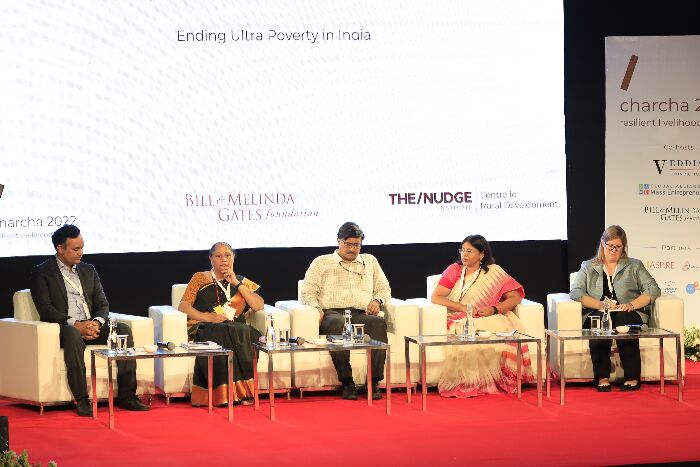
(629, 72)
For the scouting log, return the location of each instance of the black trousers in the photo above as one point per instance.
(375, 327)
(74, 355)
(629, 349)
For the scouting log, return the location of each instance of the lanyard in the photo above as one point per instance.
(465, 287)
(80, 292)
(610, 279)
(227, 290)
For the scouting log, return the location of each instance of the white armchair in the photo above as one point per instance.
(433, 321)
(564, 313)
(31, 358)
(315, 370)
(173, 376)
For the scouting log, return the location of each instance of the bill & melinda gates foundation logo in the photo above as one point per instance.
(249, 206)
(678, 166)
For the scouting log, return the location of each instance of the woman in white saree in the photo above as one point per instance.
(471, 370)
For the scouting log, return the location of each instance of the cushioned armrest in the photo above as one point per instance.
(169, 324)
(304, 318)
(432, 318)
(532, 316)
(36, 357)
(564, 313)
(279, 316)
(141, 327)
(402, 318)
(668, 313)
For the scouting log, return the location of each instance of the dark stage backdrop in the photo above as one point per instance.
(135, 281)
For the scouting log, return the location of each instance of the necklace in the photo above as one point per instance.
(610, 277)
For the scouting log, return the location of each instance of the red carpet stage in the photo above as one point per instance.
(592, 429)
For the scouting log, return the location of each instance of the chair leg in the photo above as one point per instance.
(41, 408)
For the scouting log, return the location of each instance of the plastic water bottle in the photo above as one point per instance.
(347, 328)
(470, 329)
(112, 336)
(606, 319)
(270, 334)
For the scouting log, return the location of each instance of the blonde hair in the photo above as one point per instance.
(611, 233)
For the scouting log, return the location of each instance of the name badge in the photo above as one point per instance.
(229, 311)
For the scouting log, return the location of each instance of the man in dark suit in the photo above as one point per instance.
(68, 292)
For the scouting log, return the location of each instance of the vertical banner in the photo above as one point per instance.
(652, 157)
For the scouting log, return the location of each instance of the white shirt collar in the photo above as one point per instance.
(62, 266)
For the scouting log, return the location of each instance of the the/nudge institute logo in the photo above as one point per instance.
(443, 197)
(644, 189)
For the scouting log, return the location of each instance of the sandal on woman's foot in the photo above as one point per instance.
(630, 387)
(604, 387)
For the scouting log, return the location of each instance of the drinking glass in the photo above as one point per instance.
(358, 333)
(461, 327)
(284, 336)
(122, 343)
(595, 324)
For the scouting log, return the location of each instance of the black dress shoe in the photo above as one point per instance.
(133, 403)
(376, 394)
(605, 387)
(349, 392)
(630, 387)
(84, 407)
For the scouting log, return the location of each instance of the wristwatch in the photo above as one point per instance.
(380, 301)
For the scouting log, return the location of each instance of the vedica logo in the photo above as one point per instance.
(677, 165)
(660, 165)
